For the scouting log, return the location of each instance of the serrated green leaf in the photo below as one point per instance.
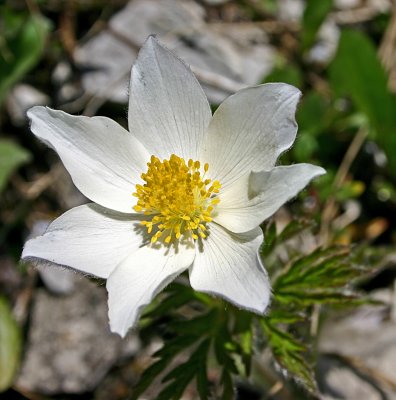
(221, 349)
(357, 72)
(244, 350)
(166, 355)
(246, 341)
(182, 375)
(243, 321)
(175, 346)
(228, 385)
(314, 14)
(285, 316)
(288, 352)
(202, 375)
(306, 264)
(10, 346)
(319, 296)
(12, 156)
(175, 390)
(148, 377)
(198, 326)
(320, 277)
(23, 42)
(280, 338)
(178, 297)
(297, 366)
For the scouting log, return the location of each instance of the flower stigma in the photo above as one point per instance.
(177, 198)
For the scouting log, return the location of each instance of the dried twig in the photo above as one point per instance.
(359, 365)
(330, 207)
(67, 28)
(387, 50)
(354, 15)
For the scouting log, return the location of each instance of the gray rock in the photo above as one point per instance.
(341, 382)
(211, 51)
(365, 341)
(58, 280)
(347, 4)
(290, 10)
(20, 99)
(70, 347)
(326, 44)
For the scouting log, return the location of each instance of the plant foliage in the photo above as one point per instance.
(216, 333)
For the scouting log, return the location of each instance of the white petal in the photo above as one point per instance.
(228, 265)
(250, 130)
(104, 160)
(88, 238)
(135, 282)
(168, 110)
(255, 197)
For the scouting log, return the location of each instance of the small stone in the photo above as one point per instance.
(347, 4)
(290, 10)
(70, 347)
(224, 59)
(366, 336)
(20, 99)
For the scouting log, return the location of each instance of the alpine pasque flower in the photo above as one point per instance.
(182, 190)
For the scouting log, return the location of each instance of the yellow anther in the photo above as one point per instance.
(175, 199)
(168, 239)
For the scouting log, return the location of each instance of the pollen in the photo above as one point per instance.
(177, 199)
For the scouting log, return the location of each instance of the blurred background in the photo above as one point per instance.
(76, 55)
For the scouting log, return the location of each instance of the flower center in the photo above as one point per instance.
(176, 198)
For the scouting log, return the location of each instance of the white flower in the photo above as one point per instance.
(155, 213)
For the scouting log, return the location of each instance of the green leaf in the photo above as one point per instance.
(182, 375)
(177, 296)
(10, 346)
(305, 147)
(294, 228)
(199, 326)
(269, 230)
(21, 45)
(243, 335)
(223, 353)
(289, 353)
(320, 277)
(11, 157)
(357, 72)
(201, 374)
(320, 296)
(286, 73)
(285, 316)
(314, 14)
(166, 354)
(312, 114)
(228, 385)
(304, 264)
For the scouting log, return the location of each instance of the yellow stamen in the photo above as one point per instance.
(176, 199)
